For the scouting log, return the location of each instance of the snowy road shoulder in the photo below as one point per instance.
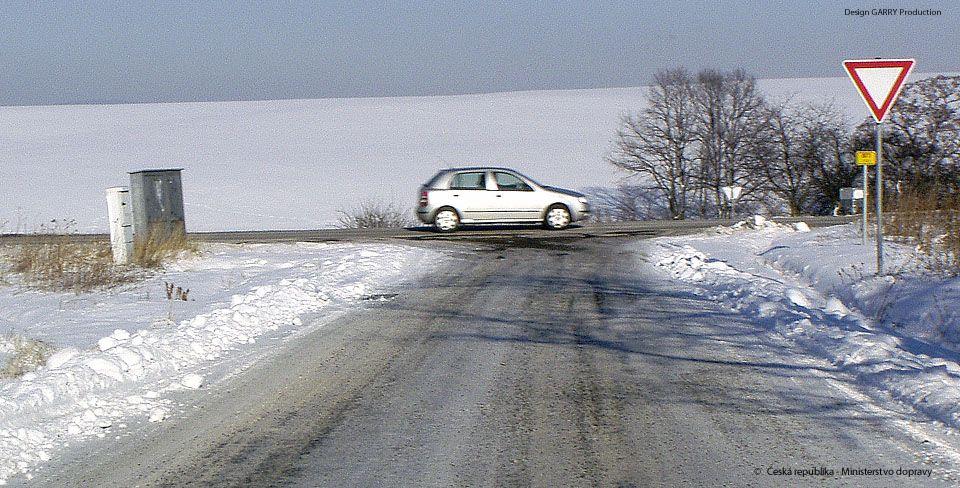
(897, 336)
(97, 383)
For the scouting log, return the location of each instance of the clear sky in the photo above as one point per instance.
(111, 52)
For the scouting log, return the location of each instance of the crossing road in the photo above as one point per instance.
(643, 228)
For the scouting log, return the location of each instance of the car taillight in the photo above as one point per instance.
(423, 198)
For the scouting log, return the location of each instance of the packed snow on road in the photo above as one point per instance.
(119, 355)
(896, 335)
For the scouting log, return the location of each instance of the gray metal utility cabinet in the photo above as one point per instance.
(157, 199)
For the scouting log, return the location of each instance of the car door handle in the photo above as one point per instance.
(499, 195)
(456, 194)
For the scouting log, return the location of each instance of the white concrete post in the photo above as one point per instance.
(121, 224)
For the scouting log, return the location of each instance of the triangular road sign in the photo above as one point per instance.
(879, 81)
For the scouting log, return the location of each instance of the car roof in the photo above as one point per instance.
(481, 168)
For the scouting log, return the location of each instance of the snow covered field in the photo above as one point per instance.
(121, 353)
(897, 336)
(291, 164)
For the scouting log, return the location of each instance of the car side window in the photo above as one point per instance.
(509, 182)
(469, 181)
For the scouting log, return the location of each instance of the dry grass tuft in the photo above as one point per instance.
(5, 253)
(59, 262)
(372, 215)
(56, 260)
(159, 247)
(932, 223)
(28, 355)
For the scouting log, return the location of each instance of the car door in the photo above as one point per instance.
(516, 199)
(468, 192)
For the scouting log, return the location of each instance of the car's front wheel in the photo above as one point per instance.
(446, 220)
(558, 217)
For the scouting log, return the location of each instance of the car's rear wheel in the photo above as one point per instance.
(557, 217)
(446, 220)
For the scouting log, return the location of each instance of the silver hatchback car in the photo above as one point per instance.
(484, 195)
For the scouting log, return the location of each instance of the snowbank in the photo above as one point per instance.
(93, 389)
(897, 335)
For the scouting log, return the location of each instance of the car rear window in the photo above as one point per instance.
(469, 181)
(433, 181)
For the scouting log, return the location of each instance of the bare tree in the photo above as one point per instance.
(731, 118)
(828, 155)
(700, 134)
(660, 143)
(803, 157)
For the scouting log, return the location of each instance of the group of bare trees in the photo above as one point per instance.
(697, 135)
(700, 133)
(803, 158)
(922, 138)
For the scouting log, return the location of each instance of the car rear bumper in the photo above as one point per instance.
(424, 214)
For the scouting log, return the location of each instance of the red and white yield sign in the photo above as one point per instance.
(879, 81)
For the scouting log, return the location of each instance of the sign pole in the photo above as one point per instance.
(879, 197)
(863, 210)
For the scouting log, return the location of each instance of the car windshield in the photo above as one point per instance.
(531, 180)
(510, 182)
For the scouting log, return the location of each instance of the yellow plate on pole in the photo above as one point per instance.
(866, 158)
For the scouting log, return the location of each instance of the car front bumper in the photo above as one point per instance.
(581, 212)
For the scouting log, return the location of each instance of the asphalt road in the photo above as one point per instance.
(530, 362)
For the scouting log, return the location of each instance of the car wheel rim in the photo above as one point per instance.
(446, 220)
(558, 218)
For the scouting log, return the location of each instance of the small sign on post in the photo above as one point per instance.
(732, 193)
(850, 194)
(879, 82)
(849, 197)
(866, 158)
